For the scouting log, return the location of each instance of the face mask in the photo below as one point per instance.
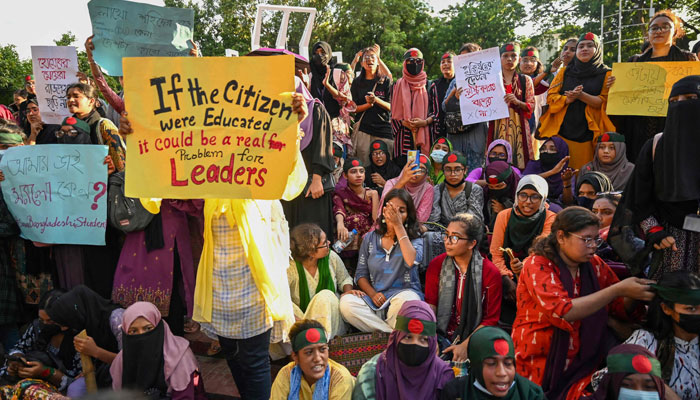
(494, 159)
(49, 330)
(414, 69)
(549, 160)
(437, 155)
(585, 202)
(629, 394)
(689, 322)
(499, 193)
(318, 60)
(412, 354)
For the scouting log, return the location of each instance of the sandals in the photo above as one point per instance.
(214, 348)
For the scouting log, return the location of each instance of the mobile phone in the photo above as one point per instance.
(18, 359)
(413, 156)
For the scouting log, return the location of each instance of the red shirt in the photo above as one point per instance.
(490, 292)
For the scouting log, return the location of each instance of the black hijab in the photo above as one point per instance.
(82, 308)
(144, 373)
(318, 72)
(387, 171)
(676, 164)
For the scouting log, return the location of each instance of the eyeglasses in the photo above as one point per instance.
(414, 61)
(454, 239)
(590, 242)
(534, 198)
(370, 57)
(60, 133)
(378, 153)
(660, 28)
(422, 171)
(325, 246)
(31, 110)
(500, 156)
(450, 171)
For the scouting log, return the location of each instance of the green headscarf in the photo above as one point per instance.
(325, 281)
(488, 342)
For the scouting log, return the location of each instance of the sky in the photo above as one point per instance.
(47, 20)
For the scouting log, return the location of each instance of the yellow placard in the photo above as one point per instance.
(642, 88)
(215, 127)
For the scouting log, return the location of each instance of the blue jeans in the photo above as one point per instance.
(249, 362)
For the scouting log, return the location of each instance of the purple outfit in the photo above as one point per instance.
(148, 276)
(478, 173)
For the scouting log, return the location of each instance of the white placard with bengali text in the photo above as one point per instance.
(479, 76)
(55, 68)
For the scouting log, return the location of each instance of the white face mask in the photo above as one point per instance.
(629, 394)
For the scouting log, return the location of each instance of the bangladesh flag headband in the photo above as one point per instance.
(611, 137)
(690, 297)
(415, 326)
(309, 337)
(494, 179)
(633, 364)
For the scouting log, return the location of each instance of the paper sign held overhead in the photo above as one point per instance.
(478, 74)
(55, 68)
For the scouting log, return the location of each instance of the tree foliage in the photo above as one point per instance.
(13, 72)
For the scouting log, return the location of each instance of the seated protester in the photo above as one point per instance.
(554, 158)
(386, 268)
(604, 208)
(633, 373)
(514, 232)
(415, 181)
(455, 195)
(498, 150)
(500, 191)
(83, 309)
(610, 158)
(587, 187)
(315, 277)
(565, 294)
(311, 374)
(409, 367)
(40, 133)
(491, 371)
(153, 360)
(671, 333)
(380, 169)
(462, 287)
(354, 207)
(48, 350)
(440, 148)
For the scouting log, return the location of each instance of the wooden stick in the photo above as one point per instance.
(88, 368)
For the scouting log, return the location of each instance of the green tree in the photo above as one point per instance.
(13, 72)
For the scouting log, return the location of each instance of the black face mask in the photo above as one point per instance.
(499, 193)
(414, 68)
(461, 182)
(49, 330)
(585, 202)
(549, 160)
(319, 60)
(689, 323)
(412, 355)
(494, 159)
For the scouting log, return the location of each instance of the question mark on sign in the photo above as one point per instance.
(100, 193)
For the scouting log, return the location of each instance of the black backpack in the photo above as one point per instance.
(125, 213)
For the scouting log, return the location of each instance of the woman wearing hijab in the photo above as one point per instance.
(564, 295)
(153, 360)
(315, 204)
(577, 99)
(500, 190)
(409, 368)
(498, 150)
(554, 158)
(492, 372)
(39, 132)
(664, 29)
(610, 158)
(437, 93)
(633, 373)
(415, 181)
(409, 108)
(586, 190)
(82, 308)
(520, 97)
(321, 62)
(514, 232)
(380, 169)
(311, 375)
(440, 148)
(663, 195)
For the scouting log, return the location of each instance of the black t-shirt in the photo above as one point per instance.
(377, 121)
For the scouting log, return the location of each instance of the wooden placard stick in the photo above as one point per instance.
(88, 368)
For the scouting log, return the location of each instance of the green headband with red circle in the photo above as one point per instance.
(495, 179)
(415, 326)
(613, 137)
(454, 157)
(309, 337)
(633, 364)
(514, 47)
(530, 52)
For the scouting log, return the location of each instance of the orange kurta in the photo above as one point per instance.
(542, 304)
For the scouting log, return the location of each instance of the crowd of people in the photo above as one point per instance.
(554, 253)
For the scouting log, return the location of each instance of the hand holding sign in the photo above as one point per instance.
(483, 96)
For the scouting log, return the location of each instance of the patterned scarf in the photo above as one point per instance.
(472, 311)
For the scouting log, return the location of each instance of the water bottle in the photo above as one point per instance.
(339, 245)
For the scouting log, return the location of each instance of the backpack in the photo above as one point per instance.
(125, 213)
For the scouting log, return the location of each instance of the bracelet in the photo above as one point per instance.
(402, 238)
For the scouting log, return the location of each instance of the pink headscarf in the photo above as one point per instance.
(179, 361)
(410, 100)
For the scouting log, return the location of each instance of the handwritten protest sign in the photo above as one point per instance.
(57, 192)
(129, 29)
(215, 127)
(479, 75)
(54, 70)
(642, 88)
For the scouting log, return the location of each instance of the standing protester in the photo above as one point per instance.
(531, 66)
(437, 93)
(520, 98)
